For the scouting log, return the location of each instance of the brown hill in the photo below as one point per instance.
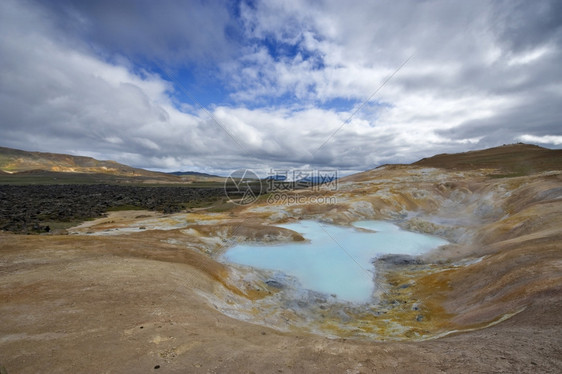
(18, 161)
(516, 159)
(23, 167)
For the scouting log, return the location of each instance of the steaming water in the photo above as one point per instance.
(337, 260)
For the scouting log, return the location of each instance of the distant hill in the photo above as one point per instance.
(511, 160)
(194, 173)
(194, 176)
(24, 164)
(516, 159)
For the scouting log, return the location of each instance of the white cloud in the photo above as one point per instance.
(114, 140)
(147, 143)
(545, 139)
(528, 57)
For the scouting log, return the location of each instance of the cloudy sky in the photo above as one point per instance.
(220, 85)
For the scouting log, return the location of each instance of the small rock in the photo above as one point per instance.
(274, 283)
(343, 316)
(400, 260)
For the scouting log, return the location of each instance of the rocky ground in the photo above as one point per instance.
(146, 292)
(34, 208)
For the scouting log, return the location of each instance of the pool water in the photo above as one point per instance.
(336, 260)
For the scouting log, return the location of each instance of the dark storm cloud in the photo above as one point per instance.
(527, 71)
(538, 115)
(176, 32)
(522, 25)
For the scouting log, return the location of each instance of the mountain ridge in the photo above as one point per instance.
(517, 158)
(194, 173)
(508, 160)
(18, 161)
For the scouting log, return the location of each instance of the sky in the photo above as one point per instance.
(215, 86)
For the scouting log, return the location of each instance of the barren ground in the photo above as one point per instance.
(144, 292)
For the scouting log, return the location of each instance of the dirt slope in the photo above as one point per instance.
(522, 159)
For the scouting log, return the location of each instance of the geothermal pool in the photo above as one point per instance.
(336, 260)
